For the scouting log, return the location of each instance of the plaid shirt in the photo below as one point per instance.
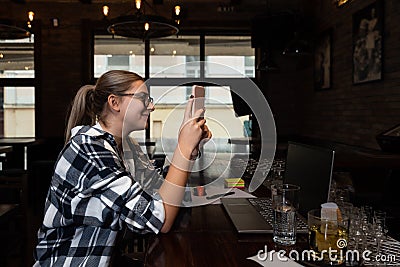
(92, 196)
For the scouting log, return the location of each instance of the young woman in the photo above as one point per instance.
(92, 195)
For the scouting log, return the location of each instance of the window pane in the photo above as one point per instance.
(16, 58)
(171, 51)
(122, 53)
(169, 108)
(18, 111)
(232, 51)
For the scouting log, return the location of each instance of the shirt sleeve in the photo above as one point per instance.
(107, 193)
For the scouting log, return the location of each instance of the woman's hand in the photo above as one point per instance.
(204, 139)
(207, 134)
(193, 130)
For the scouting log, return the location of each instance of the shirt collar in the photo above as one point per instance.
(93, 131)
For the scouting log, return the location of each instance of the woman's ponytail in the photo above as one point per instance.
(81, 112)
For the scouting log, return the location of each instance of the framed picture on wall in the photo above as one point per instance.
(323, 61)
(367, 43)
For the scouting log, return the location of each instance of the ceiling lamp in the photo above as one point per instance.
(142, 25)
(11, 30)
(297, 47)
(340, 3)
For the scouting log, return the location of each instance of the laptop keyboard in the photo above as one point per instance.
(264, 207)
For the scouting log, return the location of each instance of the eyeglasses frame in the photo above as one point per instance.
(149, 98)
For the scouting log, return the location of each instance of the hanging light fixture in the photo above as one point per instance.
(106, 11)
(177, 14)
(10, 30)
(298, 45)
(31, 14)
(143, 25)
(341, 3)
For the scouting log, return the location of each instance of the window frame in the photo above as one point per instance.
(30, 82)
(201, 80)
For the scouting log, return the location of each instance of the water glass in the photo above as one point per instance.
(285, 204)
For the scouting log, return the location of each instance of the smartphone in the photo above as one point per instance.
(199, 95)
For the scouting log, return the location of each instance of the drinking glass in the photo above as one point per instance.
(346, 208)
(328, 237)
(285, 204)
(378, 228)
(277, 176)
(356, 233)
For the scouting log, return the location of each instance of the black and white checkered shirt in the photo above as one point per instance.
(91, 197)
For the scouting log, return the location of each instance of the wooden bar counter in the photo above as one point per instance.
(205, 236)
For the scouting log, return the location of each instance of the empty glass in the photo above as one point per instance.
(379, 228)
(346, 208)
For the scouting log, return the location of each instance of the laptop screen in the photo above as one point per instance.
(309, 167)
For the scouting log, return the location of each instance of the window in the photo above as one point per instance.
(16, 58)
(168, 52)
(126, 53)
(118, 53)
(170, 104)
(17, 111)
(169, 72)
(232, 51)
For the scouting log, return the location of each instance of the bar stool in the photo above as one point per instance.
(130, 249)
(14, 220)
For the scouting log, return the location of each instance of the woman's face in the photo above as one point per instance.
(134, 107)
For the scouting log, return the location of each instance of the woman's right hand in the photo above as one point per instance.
(192, 130)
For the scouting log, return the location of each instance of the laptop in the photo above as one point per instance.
(307, 166)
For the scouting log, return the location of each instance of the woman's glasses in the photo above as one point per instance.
(145, 98)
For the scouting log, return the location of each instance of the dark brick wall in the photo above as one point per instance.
(347, 113)
(355, 114)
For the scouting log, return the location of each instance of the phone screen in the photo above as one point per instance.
(199, 95)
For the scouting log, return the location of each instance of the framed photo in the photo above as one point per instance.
(367, 43)
(323, 61)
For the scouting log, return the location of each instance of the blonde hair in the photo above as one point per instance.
(89, 102)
